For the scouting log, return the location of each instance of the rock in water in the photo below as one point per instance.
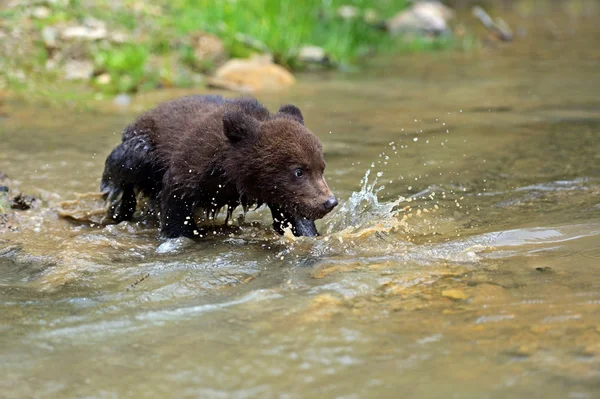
(122, 100)
(455, 294)
(423, 17)
(253, 74)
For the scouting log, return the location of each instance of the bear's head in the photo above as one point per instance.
(278, 161)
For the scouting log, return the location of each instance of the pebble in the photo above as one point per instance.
(92, 29)
(123, 100)
(348, 12)
(78, 70)
(40, 12)
(312, 55)
(103, 79)
(49, 35)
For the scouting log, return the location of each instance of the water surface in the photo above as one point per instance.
(463, 260)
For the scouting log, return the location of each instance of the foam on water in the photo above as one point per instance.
(363, 211)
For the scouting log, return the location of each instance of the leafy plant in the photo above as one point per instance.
(125, 65)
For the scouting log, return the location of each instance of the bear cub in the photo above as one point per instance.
(206, 153)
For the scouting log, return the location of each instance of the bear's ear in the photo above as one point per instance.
(238, 126)
(293, 111)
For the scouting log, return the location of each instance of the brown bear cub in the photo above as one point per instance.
(206, 152)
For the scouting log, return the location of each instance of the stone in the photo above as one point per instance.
(423, 17)
(487, 293)
(334, 269)
(103, 79)
(322, 308)
(122, 100)
(371, 17)
(78, 70)
(348, 12)
(91, 30)
(250, 75)
(208, 49)
(52, 63)
(40, 12)
(49, 36)
(87, 208)
(312, 55)
(119, 37)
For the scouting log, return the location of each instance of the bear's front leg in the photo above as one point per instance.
(177, 217)
(176, 209)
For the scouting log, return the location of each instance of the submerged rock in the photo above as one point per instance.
(423, 17)
(455, 294)
(11, 201)
(87, 208)
(253, 74)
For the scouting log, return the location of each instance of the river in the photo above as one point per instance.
(463, 260)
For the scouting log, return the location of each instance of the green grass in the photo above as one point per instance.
(283, 26)
(125, 65)
(161, 52)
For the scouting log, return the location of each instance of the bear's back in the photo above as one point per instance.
(172, 120)
(189, 130)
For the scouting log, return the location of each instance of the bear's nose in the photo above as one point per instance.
(330, 203)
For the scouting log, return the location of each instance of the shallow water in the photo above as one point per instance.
(463, 260)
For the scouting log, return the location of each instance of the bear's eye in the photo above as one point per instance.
(299, 172)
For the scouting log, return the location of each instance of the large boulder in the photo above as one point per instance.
(253, 74)
(425, 17)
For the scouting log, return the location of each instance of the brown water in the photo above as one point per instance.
(473, 273)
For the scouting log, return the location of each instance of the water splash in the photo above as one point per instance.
(363, 211)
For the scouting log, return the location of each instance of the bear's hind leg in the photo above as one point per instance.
(121, 203)
(128, 169)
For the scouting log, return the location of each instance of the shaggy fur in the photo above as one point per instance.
(207, 152)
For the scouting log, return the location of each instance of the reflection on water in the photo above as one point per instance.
(463, 260)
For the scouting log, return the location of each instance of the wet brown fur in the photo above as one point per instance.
(209, 152)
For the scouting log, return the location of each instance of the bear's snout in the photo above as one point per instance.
(330, 203)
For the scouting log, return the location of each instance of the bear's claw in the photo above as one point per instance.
(121, 204)
(300, 226)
